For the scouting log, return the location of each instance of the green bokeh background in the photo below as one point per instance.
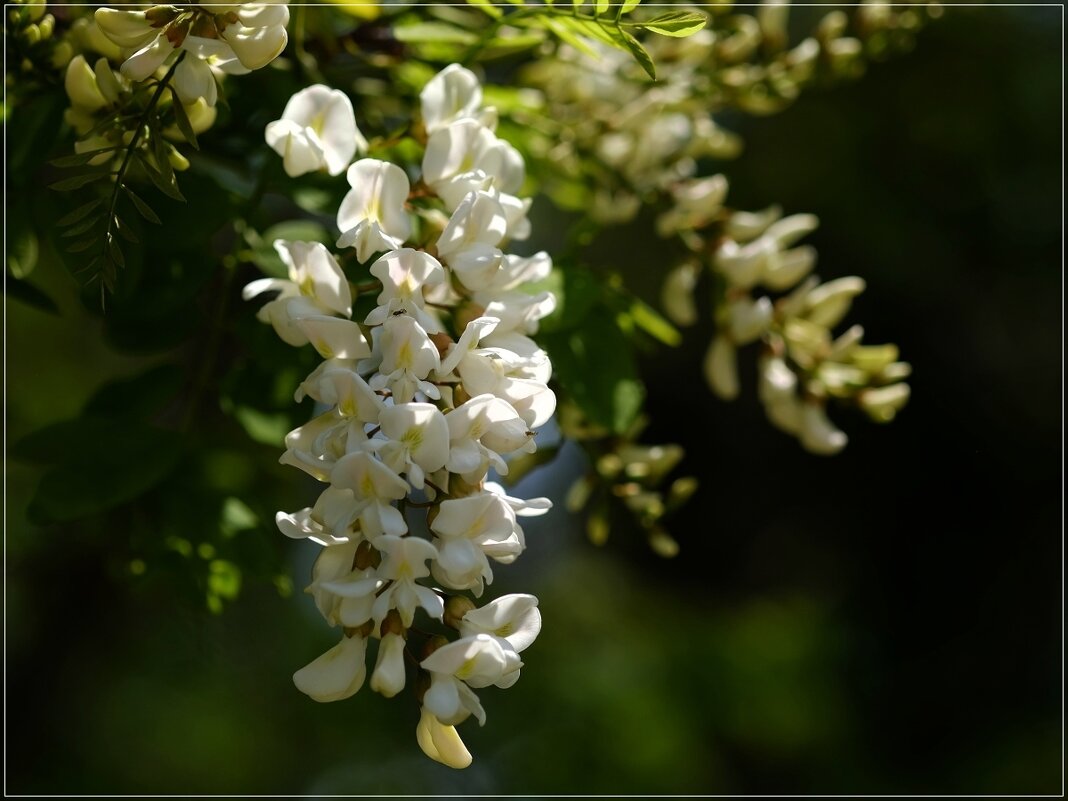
(885, 621)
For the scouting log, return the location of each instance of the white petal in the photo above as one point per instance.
(334, 338)
(337, 674)
(256, 47)
(452, 94)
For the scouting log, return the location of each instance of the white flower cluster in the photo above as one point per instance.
(436, 386)
(218, 39)
(802, 365)
(650, 133)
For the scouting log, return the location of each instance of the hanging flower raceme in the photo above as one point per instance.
(802, 366)
(421, 398)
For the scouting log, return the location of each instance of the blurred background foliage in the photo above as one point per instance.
(884, 621)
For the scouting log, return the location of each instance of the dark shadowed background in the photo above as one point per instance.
(887, 620)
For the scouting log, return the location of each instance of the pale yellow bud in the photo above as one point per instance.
(80, 83)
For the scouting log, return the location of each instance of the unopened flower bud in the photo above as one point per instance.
(388, 676)
(81, 85)
(883, 403)
(440, 742)
(829, 303)
(455, 608)
(177, 160)
(818, 434)
(721, 368)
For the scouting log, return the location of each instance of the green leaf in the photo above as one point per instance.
(641, 314)
(142, 208)
(168, 186)
(576, 290)
(125, 231)
(79, 213)
(566, 35)
(640, 54)
(115, 252)
(163, 177)
(81, 227)
(603, 6)
(139, 396)
(30, 295)
(674, 23)
(486, 6)
(184, 125)
(433, 32)
(85, 244)
(80, 159)
(264, 427)
(23, 248)
(77, 181)
(596, 369)
(101, 467)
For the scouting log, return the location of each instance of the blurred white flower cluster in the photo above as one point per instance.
(650, 133)
(437, 385)
(802, 365)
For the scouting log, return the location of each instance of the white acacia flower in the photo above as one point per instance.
(477, 661)
(514, 620)
(778, 392)
(403, 561)
(374, 487)
(721, 367)
(469, 242)
(517, 310)
(372, 216)
(828, 303)
(769, 259)
(440, 742)
(523, 507)
(337, 674)
(331, 564)
(676, 296)
(407, 358)
(482, 429)
(317, 131)
(329, 522)
(354, 594)
(405, 274)
(335, 382)
(315, 280)
(517, 270)
(748, 319)
(469, 339)
(316, 446)
(197, 78)
(817, 433)
(696, 204)
(453, 94)
(333, 337)
(470, 530)
(417, 440)
(235, 39)
(466, 156)
(517, 377)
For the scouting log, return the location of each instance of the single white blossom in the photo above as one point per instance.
(372, 216)
(317, 131)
